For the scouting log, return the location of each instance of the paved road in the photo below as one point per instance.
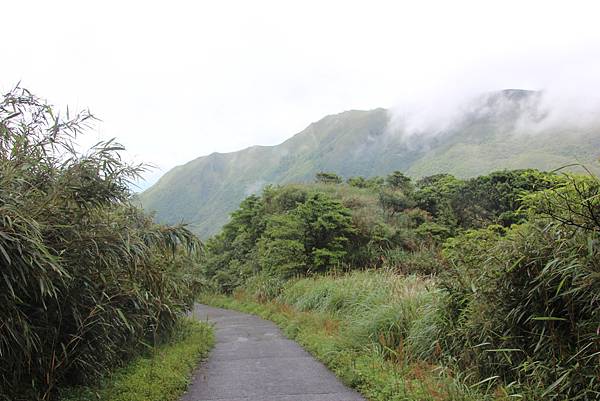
(253, 361)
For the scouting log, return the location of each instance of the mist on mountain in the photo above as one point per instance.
(476, 134)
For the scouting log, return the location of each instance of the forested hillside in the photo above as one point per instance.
(498, 130)
(439, 288)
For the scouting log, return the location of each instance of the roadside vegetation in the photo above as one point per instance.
(364, 363)
(437, 289)
(87, 280)
(443, 288)
(160, 374)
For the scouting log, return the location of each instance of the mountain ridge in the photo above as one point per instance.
(486, 137)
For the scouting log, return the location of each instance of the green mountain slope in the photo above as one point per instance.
(489, 135)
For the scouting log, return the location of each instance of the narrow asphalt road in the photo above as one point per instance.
(253, 361)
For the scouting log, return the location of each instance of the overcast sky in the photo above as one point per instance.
(174, 80)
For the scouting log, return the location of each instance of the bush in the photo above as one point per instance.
(281, 249)
(424, 261)
(286, 232)
(87, 278)
(526, 303)
(328, 178)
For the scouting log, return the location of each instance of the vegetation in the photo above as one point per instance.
(485, 288)
(344, 343)
(87, 280)
(364, 143)
(160, 375)
(299, 229)
(488, 287)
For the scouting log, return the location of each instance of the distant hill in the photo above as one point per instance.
(500, 130)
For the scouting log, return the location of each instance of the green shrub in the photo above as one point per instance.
(286, 232)
(328, 178)
(281, 249)
(87, 279)
(426, 260)
(526, 303)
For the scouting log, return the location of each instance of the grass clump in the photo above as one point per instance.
(161, 374)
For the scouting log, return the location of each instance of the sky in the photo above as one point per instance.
(176, 80)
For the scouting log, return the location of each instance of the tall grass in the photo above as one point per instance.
(379, 308)
(86, 278)
(351, 294)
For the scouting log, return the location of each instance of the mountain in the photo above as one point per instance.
(500, 130)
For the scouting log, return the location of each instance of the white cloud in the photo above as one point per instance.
(176, 80)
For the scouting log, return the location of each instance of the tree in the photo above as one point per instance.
(398, 181)
(283, 198)
(435, 194)
(328, 178)
(327, 226)
(231, 255)
(281, 249)
(362, 182)
(394, 201)
(496, 198)
(397, 195)
(358, 182)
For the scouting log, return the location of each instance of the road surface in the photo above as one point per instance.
(253, 361)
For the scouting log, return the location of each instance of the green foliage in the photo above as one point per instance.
(87, 279)
(395, 201)
(358, 182)
(525, 301)
(283, 199)
(281, 249)
(328, 178)
(231, 254)
(327, 227)
(573, 201)
(362, 182)
(478, 202)
(435, 195)
(286, 232)
(302, 229)
(206, 190)
(397, 180)
(496, 198)
(397, 195)
(161, 374)
(511, 306)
